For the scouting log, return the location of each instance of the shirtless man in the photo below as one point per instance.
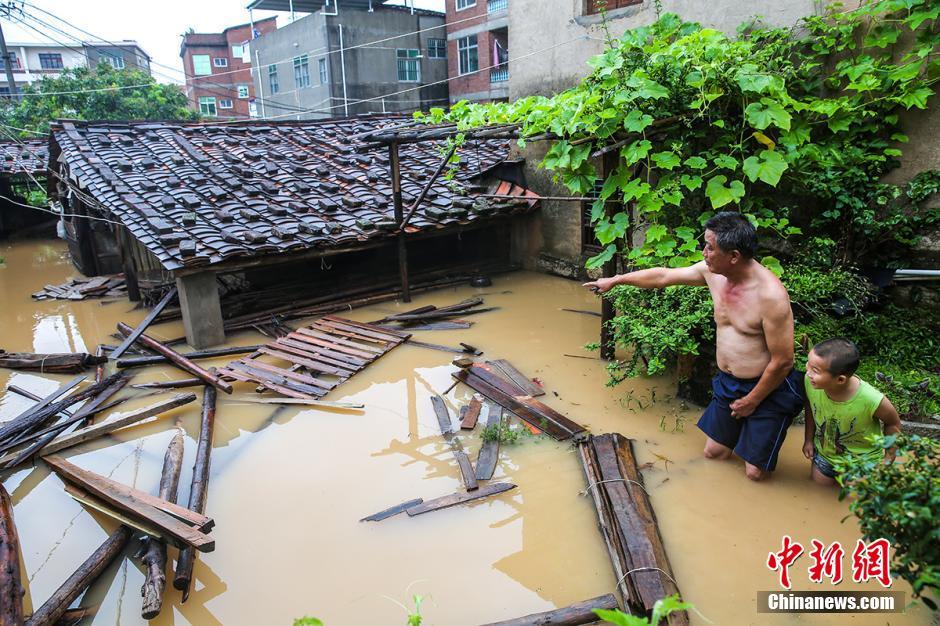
(757, 392)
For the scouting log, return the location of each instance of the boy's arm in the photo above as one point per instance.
(891, 423)
(810, 430)
(654, 278)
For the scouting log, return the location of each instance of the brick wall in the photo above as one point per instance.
(462, 20)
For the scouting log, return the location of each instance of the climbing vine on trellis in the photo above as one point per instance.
(793, 127)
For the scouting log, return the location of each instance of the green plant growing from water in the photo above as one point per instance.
(900, 502)
(308, 621)
(661, 610)
(504, 433)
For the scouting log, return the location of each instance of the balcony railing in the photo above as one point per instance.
(499, 74)
(492, 6)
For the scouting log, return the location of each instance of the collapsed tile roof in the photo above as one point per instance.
(205, 194)
(28, 157)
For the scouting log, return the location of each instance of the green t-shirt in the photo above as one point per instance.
(845, 428)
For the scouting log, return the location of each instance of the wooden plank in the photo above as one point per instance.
(489, 451)
(97, 430)
(277, 379)
(309, 336)
(287, 353)
(139, 361)
(326, 404)
(179, 360)
(394, 510)
(394, 335)
(496, 379)
(317, 346)
(521, 380)
(451, 325)
(11, 589)
(316, 353)
(339, 340)
(139, 330)
(80, 495)
(458, 498)
(466, 470)
(473, 413)
(176, 520)
(435, 346)
(256, 364)
(516, 406)
(545, 411)
(13, 426)
(242, 376)
(352, 333)
(573, 615)
(443, 415)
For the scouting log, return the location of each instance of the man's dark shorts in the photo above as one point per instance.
(758, 438)
(825, 467)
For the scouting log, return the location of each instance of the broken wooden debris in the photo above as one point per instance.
(83, 497)
(582, 311)
(431, 312)
(394, 510)
(573, 615)
(139, 330)
(199, 488)
(57, 604)
(466, 470)
(489, 451)
(154, 557)
(323, 404)
(82, 288)
(52, 363)
(171, 384)
(526, 408)
(140, 361)
(447, 430)
(473, 413)
(179, 525)
(434, 346)
(319, 357)
(12, 427)
(449, 325)
(443, 415)
(458, 498)
(628, 524)
(178, 360)
(505, 369)
(11, 589)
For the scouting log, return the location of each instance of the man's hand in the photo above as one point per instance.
(743, 407)
(602, 285)
(809, 450)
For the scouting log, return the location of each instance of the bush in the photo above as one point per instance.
(900, 502)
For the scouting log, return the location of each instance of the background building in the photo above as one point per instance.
(478, 49)
(218, 70)
(350, 57)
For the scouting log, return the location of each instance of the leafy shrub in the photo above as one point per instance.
(661, 610)
(900, 502)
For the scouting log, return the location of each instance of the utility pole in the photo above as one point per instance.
(5, 10)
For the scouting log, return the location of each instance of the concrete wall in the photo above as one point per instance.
(29, 69)
(371, 71)
(134, 57)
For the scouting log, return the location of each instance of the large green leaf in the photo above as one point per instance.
(666, 160)
(720, 194)
(767, 112)
(636, 151)
(636, 121)
(769, 166)
(613, 229)
(599, 259)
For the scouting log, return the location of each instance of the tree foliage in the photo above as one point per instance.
(104, 93)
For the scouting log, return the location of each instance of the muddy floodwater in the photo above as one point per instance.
(287, 490)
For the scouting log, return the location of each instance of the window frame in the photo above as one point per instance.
(197, 65)
(219, 62)
(240, 51)
(117, 62)
(208, 101)
(46, 56)
(222, 101)
(274, 83)
(461, 50)
(301, 64)
(14, 61)
(591, 8)
(467, 4)
(440, 45)
(323, 71)
(412, 60)
(242, 89)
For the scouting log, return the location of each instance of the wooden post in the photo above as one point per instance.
(399, 218)
(125, 244)
(11, 590)
(183, 577)
(154, 558)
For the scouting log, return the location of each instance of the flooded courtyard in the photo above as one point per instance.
(289, 485)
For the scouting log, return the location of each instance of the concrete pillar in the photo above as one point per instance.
(202, 312)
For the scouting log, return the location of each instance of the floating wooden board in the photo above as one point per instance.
(473, 413)
(489, 452)
(443, 415)
(393, 510)
(527, 408)
(309, 362)
(459, 498)
(580, 613)
(528, 386)
(466, 470)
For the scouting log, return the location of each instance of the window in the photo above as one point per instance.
(238, 51)
(301, 72)
(595, 6)
(207, 106)
(465, 4)
(272, 79)
(14, 62)
(324, 77)
(50, 60)
(437, 48)
(409, 65)
(114, 61)
(243, 91)
(468, 54)
(201, 65)
(220, 62)
(225, 103)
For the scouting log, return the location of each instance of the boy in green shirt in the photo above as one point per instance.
(843, 412)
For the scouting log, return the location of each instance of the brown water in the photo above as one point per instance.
(287, 493)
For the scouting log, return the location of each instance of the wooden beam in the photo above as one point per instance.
(458, 498)
(137, 332)
(394, 510)
(11, 589)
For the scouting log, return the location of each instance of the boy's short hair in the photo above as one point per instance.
(733, 231)
(841, 353)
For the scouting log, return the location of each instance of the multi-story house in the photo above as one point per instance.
(32, 61)
(351, 57)
(218, 69)
(478, 49)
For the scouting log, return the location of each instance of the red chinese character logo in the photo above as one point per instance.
(872, 561)
(826, 562)
(782, 560)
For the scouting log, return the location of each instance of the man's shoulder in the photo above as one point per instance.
(772, 289)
